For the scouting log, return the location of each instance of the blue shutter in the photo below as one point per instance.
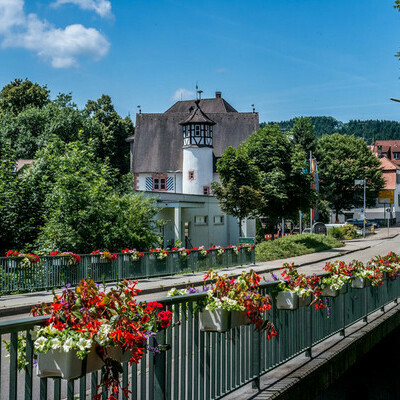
(149, 184)
(170, 183)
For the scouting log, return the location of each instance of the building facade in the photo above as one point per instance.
(173, 157)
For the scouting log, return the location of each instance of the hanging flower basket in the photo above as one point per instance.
(287, 301)
(358, 283)
(214, 321)
(305, 301)
(239, 318)
(329, 292)
(66, 365)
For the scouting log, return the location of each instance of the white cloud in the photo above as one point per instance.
(11, 14)
(183, 94)
(101, 7)
(61, 46)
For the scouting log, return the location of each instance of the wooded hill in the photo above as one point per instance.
(370, 130)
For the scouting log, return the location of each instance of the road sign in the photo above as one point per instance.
(247, 240)
(359, 182)
(386, 197)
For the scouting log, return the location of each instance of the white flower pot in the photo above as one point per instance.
(66, 365)
(305, 301)
(239, 318)
(287, 301)
(329, 292)
(358, 283)
(214, 321)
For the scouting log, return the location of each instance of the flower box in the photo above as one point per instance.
(239, 318)
(117, 354)
(305, 301)
(344, 289)
(358, 282)
(287, 301)
(329, 292)
(66, 365)
(214, 321)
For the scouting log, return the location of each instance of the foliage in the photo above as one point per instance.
(304, 133)
(342, 159)
(285, 186)
(240, 294)
(369, 130)
(19, 95)
(86, 317)
(238, 189)
(344, 232)
(83, 208)
(291, 246)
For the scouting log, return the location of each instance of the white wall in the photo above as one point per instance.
(199, 160)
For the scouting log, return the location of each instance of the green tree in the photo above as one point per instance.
(19, 95)
(238, 189)
(115, 130)
(342, 159)
(285, 183)
(304, 133)
(84, 209)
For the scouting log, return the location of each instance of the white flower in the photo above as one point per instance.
(55, 343)
(40, 344)
(84, 344)
(67, 346)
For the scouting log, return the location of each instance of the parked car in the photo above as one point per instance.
(307, 230)
(360, 222)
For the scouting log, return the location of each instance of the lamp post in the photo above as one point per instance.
(362, 182)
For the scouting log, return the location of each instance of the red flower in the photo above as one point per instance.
(54, 253)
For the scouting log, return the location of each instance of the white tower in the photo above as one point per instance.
(197, 169)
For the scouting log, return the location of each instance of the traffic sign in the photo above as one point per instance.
(386, 197)
(247, 240)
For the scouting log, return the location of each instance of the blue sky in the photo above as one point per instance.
(289, 58)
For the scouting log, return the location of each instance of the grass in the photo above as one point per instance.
(292, 246)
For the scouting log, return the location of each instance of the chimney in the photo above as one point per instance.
(218, 95)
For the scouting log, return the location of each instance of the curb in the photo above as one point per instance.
(26, 308)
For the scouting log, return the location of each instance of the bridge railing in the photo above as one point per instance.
(56, 271)
(199, 365)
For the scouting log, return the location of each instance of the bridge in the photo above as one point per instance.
(241, 363)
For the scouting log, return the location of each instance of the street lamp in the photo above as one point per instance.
(362, 182)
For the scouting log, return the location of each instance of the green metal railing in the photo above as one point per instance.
(199, 365)
(56, 271)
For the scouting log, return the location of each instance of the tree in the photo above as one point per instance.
(115, 131)
(19, 95)
(342, 159)
(304, 133)
(285, 184)
(84, 207)
(238, 190)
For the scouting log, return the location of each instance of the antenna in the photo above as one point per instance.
(254, 109)
(139, 108)
(199, 92)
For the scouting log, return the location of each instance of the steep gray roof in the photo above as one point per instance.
(197, 116)
(158, 138)
(209, 106)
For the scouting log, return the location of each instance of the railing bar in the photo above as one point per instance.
(229, 363)
(57, 388)
(208, 374)
(93, 384)
(143, 379)
(234, 361)
(190, 352)
(82, 388)
(213, 363)
(196, 349)
(223, 367)
(176, 354)
(125, 381)
(151, 370)
(168, 376)
(13, 366)
(71, 389)
(29, 367)
(134, 370)
(183, 351)
(43, 388)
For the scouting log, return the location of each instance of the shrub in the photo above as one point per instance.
(344, 232)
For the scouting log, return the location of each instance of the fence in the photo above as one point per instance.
(56, 271)
(199, 365)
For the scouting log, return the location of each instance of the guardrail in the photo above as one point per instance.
(56, 271)
(199, 365)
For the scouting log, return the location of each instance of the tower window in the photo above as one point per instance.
(197, 131)
(206, 190)
(159, 183)
(191, 175)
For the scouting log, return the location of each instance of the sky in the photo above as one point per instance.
(288, 58)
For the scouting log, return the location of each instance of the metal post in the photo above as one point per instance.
(300, 221)
(364, 222)
(311, 208)
(160, 367)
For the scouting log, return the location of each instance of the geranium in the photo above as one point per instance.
(240, 294)
(161, 254)
(234, 248)
(105, 255)
(87, 318)
(202, 251)
(220, 250)
(71, 257)
(184, 253)
(25, 259)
